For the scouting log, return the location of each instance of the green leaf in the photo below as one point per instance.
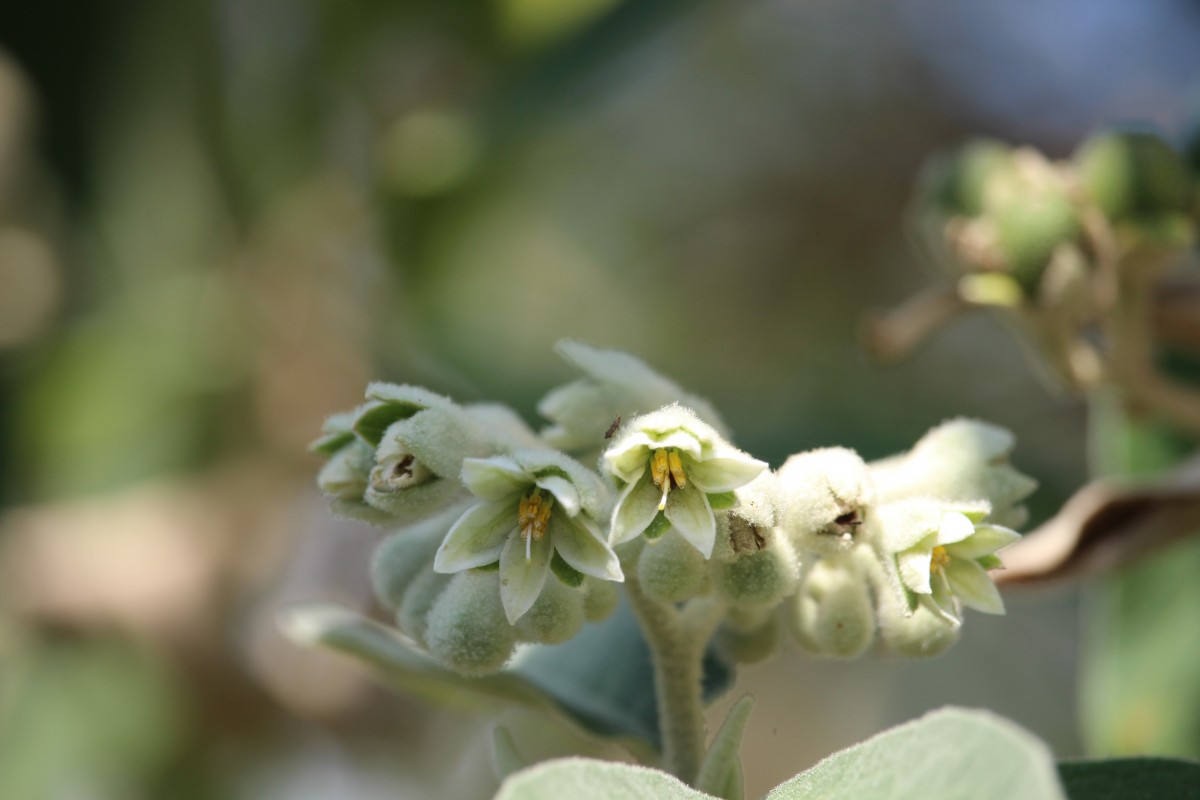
(658, 526)
(721, 771)
(506, 758)
(330, 443)
(585, 779)
(565, 572)
(948, 753)
(1128, 778)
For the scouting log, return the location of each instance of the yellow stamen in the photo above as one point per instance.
(533, 515)
(938, 560)
(666, 470)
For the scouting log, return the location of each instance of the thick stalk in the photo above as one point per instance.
(677, 642)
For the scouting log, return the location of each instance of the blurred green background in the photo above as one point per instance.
(220, 218)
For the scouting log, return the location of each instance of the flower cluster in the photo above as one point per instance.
(504, 538)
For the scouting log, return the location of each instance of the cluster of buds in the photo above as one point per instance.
(504, 538)
(1072, 250)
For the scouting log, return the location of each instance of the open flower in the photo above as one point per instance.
(537, 513)
(943, 553)
(670, 461)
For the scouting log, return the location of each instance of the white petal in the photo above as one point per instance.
(582, 546)
(494, 478)
(636, 508)
(521, 579)
(987, 540)
(954, 527)
(905, 523)
(565, 493)
(724, 473)
(477, 538)
(914, 569)
(971, 583)
(690, 514)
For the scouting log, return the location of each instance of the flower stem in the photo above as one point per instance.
(677, 641)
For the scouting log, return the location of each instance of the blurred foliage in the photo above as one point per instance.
(230, 215)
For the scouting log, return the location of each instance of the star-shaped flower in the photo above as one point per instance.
(943, 553)
(670, 461)
(537, 513)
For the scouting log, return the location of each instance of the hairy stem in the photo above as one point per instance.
(677, 641)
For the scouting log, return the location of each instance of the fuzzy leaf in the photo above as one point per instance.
(585, 779)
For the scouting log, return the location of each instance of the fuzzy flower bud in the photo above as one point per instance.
(615, 385)
(466, 629)
(961, 461)
(671, 570)
(824, 498)
(832, 614)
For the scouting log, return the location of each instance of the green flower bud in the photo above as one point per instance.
(914, 633)
(345, 475)
(831, 615)
(670, 569)
(556, 615)
(418, 599)
(403, 556)
(824, 498)
(958, 183)
(466, 628)
(748, 646)
(600, 599)
(1131, 174)
(1034, 216)
(763, 577)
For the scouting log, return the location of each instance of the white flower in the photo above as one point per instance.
(537, 513)
(943, 553)
(670, 461)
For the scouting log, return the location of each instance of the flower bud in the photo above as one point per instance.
(914, 633)
(962, 461)
(824, 497)
(748, 646)
(670, 569)
(418, 599)
(763, 577)
(600, 599)
(958, 183)
(556, 615)
(1034, 216)
(346, 474)
(404, 555)
(1131, 174)
(466, 629)
(831, 615)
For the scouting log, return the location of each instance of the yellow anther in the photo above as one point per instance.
(666, 470)
(938, 560)
(533, 515)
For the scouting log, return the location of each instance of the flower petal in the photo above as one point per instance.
(565, 493)
(494, 478)
(954, 527)
(724, 473)
(987, 540)
(521, 579)
(582, 546)
(903, 524)
(973, 586)
(635, 510)
(914, 569)
(690, 514)
(478, 537)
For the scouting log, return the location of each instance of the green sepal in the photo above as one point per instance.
(492, 567)
(330, 443)
(565, 572)
(991, 561)
(721, 501)
(658, 526)
(375, 418)
(911, 598)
